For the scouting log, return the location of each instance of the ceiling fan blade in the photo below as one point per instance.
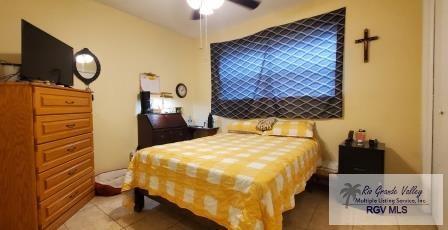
(251, 4)
(195, 15)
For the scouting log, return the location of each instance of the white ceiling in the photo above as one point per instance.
(175, 14)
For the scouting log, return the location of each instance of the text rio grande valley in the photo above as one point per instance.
(386, 200)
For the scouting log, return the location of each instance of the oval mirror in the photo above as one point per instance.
(87, 67)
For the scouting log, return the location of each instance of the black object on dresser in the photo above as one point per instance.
(364, 159)
(145, 100)
(159, 129)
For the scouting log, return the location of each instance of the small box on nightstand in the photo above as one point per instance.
(361, 159)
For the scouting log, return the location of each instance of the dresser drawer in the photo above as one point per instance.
(180, 134)
(58, 152)
(56, 224)
(59, 177)
(55, 127)
(162, 137)
(57, 101)
(56, 205)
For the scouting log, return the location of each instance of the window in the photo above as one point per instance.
(290, 71)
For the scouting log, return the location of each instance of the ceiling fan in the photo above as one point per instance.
(206, 7)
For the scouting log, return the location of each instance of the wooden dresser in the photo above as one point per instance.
(159, 129)
(46, 155)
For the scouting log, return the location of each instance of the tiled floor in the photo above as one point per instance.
(311, 212)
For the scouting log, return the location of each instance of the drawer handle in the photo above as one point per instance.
(69, 102)
(359, 169)
(73, 195)
(72, 172)
(71, 126)
(71, 149)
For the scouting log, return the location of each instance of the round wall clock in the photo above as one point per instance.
(181, 90)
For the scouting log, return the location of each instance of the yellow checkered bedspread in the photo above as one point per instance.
(241, 181)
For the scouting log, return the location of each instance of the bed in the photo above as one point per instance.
(240, 181)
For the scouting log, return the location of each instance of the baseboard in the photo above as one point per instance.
(330, 166)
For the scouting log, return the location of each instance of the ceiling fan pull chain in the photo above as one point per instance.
(200, 31)
(206, 31)
(201, 18)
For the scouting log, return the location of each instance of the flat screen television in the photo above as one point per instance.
(44, 57)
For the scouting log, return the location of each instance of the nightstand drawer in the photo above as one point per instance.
(56, 101)
(360, 160)
(359, 169)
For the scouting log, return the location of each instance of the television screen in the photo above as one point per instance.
(44, 57)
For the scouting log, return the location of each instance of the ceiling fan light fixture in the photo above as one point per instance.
(195, 4)
(214, 4)
(205, 10)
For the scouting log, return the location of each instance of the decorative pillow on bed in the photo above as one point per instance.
(292, 129)
(266, 124)
(244, 126)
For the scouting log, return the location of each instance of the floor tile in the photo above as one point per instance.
(422, 217)
(310, 213)
(63, 227)
(418, 227)
(88, 205)
(300, 216)
(320, 220)
(91, 218)
(375, 227)
(154, 220)
(190, 224)
(158, 216)
(113, 207)
(190, 221)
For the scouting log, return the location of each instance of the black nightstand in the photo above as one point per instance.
(198, 132)
(355, 159)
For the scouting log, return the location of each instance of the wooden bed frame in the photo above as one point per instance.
(139, 199)
(139, 194)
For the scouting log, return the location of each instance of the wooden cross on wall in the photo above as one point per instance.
(365, 42)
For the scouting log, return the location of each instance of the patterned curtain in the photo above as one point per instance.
(288, 71)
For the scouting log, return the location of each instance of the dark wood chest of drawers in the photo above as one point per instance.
(159, 129)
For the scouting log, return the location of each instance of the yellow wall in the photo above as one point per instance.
(125, 46)
(382, 96)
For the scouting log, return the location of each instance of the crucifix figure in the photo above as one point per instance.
(365, 42)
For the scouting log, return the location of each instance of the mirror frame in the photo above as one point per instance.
(87, 81)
